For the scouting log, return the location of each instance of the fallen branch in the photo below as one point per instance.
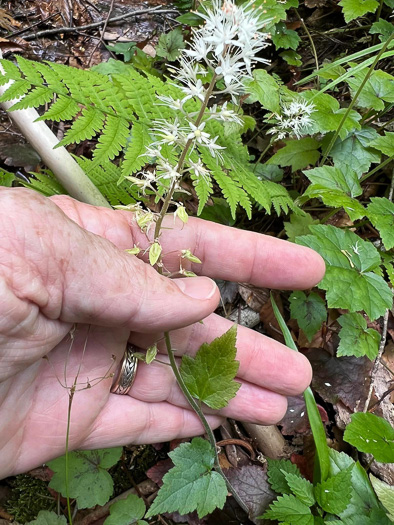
(58, 30)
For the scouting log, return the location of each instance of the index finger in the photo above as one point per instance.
(237, 255)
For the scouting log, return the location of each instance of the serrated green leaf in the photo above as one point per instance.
(336, 199)
(89, 482)
(385, 494)
(209, 376)
(65, 108)
(371, 434)
(191, 484)
(355, 338)
(383, 28)
(86, 127)
(265, 89)
(309, 311)
(284, 38)
(376, 91)
(355, 8)
(6, 178)
(299, 225)
(297, 153)
(47, 517)
(154, 253)
(289, 509)
(328, 114)
(126, 511)
(350, 280)
(334, 494)
(355, 150)
(277, 469)
(291, 57)
(363, 497)
(333, 177)
(385, 143)
(301, 488)
(171, 44)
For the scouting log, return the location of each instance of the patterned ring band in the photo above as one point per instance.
(124, 378)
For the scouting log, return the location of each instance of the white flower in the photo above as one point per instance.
(197, 134)
(224, 114)
(214, 148)
(230, 68)
(193, 90)
(167, 131)
(295, 119)
(200, 48)
(170, 102)
(200, 170)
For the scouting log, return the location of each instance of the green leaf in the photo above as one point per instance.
(47, 517)
(209, 376)
(334, 494)
(277, 470)
(284, 38)
(309, 311)
(350, 280)
(126, 511)
(6, 178)
(355, 338)
(301, 488)
(336, 187)
(382, 28)
(385, 143)
(89, 482)
(127, 49)
(291, 57)
(171, 44)
(297, 153)
(363, 497)
(371, 434)
(343, 179)
(154, 253)
(318, 430)
(355, 150)
(265, 89)
(385, 494)
(354, 8)
(299, 225)
(290, 510)
(191, 484)
(377, 90)
(328, 114)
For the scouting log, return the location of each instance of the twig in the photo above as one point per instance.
(101, 40)
(57, 30)
(20, 31)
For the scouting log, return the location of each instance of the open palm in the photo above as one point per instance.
(72, 295)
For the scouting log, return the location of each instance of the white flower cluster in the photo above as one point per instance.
(294, 120)
(224, 49)
(229, 42)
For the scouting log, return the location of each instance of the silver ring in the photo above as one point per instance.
(125, 376)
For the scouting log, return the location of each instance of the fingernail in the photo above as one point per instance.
(197, 287)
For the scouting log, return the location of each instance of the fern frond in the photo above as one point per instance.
(16, 90)
(106, 179)
(134, 157)
(280, 197)
(45, 183)
(11, 71)
(30, 72)
(203, 187)
(6, 178)
(65, 108)
(112, 139)
(86, 127)
(37, 97)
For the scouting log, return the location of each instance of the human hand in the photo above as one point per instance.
(58, 268)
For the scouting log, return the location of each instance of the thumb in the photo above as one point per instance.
(104, 285)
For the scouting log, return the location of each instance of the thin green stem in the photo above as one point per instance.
(312, 46)
(353, 102)
(197, 409)
(372, 172)
(66, 459)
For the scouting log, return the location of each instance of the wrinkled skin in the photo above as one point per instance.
(62, 263)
